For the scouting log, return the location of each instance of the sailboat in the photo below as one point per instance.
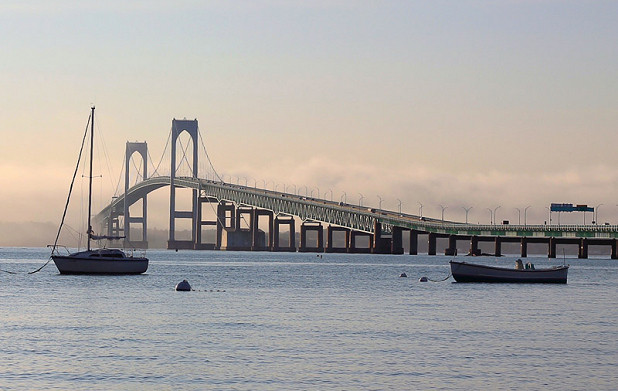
(97, 261)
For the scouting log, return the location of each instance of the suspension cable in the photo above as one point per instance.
(156, 169)
(208, 157)
(124, 160)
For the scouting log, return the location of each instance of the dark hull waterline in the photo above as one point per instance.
(467, 272)
(82, 265)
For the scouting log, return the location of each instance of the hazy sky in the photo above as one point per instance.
(459, 103)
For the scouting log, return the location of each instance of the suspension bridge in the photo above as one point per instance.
(251, 218)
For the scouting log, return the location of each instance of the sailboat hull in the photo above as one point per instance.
(94, 263)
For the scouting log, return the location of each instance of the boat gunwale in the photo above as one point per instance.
(552, 269)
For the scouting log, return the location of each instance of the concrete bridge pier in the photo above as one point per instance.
(474, 246)
(112, 224)
(431, 244)
(451, 250)
(413, 242)
(381, 244)
(551, 248)
(498, 246)
(353, 236)
(289, 221)
(397, 241)
(583, 249)
(258, 237)
(241, 212)
(330, 246)
(199, 245)
(524, 248)
(226, 218)
(142, 150)
(614, 254)
(316, 227)
(178, 127)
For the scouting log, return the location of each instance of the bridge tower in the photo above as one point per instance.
(178, 127)
(142, 149)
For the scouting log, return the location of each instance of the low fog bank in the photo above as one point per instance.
(41, 234)
(27, 234)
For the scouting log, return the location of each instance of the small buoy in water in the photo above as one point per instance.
(423, 279)
(403, 275)
(183, 286)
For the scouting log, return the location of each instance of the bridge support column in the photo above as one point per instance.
(498, 246)
(238, 238)
(397, 241)
(552, 248)
(381, 245)
(524, 247)
(330, 246)
(289, 221)
(431, 242)
(258, 238)
(352, 247)
(142, 150)
(583, 249)
(304, 228)
(178, 127)
(413, 242)
(474, 246)
(113, 223)
(226, 217)
(614, 250)
(451, 250)
(199, 245)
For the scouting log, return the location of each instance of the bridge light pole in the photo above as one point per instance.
(495, 215)
(331, 194)
(526, 210)
(380, 203)
(286, 189)
(420, 210)
(491, 216)
(467, 210)
(399, 205)
(596, 209)
(443, 208)
(360, 200)
(344, 198)
(518, 216)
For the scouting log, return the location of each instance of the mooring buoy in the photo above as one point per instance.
(183, 286)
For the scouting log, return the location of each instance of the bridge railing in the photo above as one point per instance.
(355, 217)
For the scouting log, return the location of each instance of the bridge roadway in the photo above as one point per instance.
(364, 219)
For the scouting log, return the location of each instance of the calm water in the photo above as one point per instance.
(300, 322)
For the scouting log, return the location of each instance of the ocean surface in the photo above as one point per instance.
(292, 321)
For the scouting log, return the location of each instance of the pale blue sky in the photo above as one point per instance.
(459, 103)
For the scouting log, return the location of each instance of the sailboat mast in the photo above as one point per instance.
(90, 176)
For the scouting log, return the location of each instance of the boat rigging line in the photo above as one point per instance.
(66, 205)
